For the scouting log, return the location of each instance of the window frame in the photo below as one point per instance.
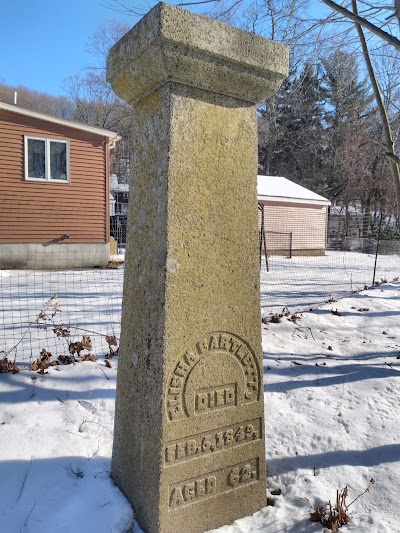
(47, 178)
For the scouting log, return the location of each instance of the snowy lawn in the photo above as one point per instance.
(331, 399)
(301, 283)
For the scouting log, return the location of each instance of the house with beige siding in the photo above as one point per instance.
(292, 219)
(54, 191)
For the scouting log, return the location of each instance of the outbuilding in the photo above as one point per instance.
(292, 219)
(54, 191)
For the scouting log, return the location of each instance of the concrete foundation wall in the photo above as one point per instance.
(310, 252)
(54, 256)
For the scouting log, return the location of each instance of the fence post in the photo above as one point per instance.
(260, 233)
(377, 249)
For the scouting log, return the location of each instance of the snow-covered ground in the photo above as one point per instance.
(301, 283)
(331, 399)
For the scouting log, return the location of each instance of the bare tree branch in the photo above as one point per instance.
(394, 167)
(391, 39)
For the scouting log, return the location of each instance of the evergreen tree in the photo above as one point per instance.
(299, 109)
(348, 97)
(350, 127)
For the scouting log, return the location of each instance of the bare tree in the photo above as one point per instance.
(387, 130)
(103, 39)
(94, 100)
(377, 13)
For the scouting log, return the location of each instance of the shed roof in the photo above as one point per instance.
(118, 187)
(279, 189)
(59, 120)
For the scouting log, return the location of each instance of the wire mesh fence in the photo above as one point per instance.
(355, 257)
(57, 284)
(55, 308)
(52, 309)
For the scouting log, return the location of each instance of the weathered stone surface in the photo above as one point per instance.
(171, 44)
(189, 431)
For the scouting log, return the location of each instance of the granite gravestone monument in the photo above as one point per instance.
(189, 432)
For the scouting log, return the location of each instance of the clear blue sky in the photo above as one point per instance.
(43, 41)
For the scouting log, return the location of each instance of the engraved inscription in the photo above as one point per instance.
(240, 475)
(176, 384)
(190, 491)
(214, 483)
(214, 345)
(213, 441)
(215, 398)
(241, 351)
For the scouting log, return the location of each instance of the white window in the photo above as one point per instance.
(46, 160)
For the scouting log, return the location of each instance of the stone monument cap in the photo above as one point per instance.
(171, 44)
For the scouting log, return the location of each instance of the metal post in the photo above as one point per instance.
(377, 249)
(260, 233)
(265, 250)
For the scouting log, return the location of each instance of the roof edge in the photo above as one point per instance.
(293, 200)
(62, 121)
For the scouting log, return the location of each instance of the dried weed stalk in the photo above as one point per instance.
(335, 516)
(7, 366)
(49, 317)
